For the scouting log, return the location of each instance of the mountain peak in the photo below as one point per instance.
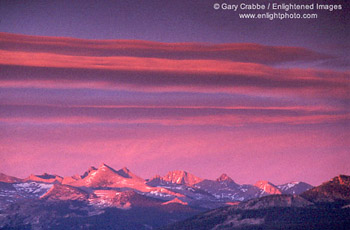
(181, 177)
(90, 169)
(337, 188)
(45, 178)
(8, 179)
(224, 177)
(175, 177)
(267, 187)
(125, 172)
(262, 182)
(103, 165)
(65, 192)
(342, 179)
(125, 169)
(294, 187)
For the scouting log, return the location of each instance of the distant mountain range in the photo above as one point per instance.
(176, 184)
(324, 207)
(100, 193)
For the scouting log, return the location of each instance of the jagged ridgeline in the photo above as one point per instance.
(105, 198)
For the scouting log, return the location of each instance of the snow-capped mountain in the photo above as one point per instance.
(225, 189)
(323, 207)
(267, 187)
(106, 177)
(294, 188)
(98, 195)
(65, 192)
(177, 195)
(122, 199)
(13, 192)
(92, 168)
(175, 184)
(175, 177)
(225, 178)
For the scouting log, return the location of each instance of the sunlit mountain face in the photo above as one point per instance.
(105, 198)
(100, 193)
(106, 182)
(325, 206)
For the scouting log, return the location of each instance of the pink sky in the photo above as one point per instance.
(66, 104)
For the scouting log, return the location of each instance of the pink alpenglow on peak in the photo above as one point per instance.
(176, 177)
(337, 188)
(105, 176)
(45, 178)
(92, 168)
(224, 177)
(342, 180)
(9, 179)
(268, 187)
(125, 172)
(65, 192)
(71, 179)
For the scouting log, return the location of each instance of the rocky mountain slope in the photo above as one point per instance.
(100, 192)
(323, 207)
(337, 189)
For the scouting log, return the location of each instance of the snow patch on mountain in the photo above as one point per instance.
(32, 188)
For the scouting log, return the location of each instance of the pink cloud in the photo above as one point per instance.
(154, 74)
(34, 61)
(294, 119)
(171, 115)
(234, 52)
